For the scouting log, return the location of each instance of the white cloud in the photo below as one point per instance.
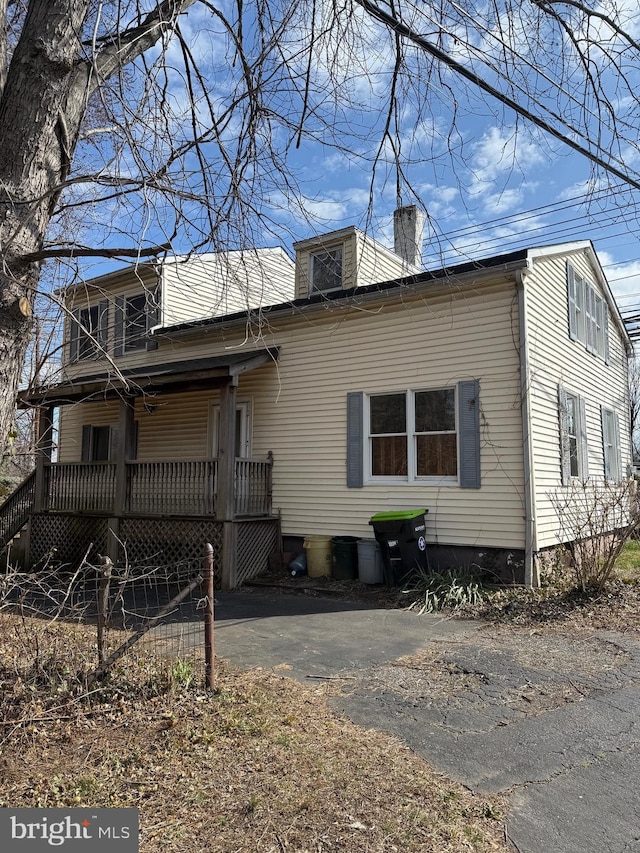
(623, 278)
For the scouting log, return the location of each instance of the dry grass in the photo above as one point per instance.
(261, 764)
(615, 608)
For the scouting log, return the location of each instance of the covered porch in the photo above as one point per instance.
(224, 490)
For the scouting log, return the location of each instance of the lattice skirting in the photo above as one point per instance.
(152, 541)
(255, 541)
(169, 541)
(66, 539)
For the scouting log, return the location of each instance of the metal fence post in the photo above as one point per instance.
(208, 593)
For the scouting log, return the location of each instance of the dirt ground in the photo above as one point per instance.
(262, 763)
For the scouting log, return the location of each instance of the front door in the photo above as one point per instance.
(243, 430)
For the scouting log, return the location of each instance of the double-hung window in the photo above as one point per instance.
(610, 444)
(136, 315)
(88, 331)
(413, 434)
(418, 436)
(573, 436)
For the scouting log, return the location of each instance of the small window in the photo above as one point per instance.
(326, 270)
(89, 331)
(135, 323)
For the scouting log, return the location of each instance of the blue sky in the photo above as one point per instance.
(489, 181)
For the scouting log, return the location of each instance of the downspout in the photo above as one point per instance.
(530, 574)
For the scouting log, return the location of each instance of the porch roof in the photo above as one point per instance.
(168, 377)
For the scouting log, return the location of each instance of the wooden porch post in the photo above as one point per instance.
(225, 498)
(44, 452)
(124, 451)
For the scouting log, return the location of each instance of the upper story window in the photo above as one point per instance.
(88, 331)
(135, 316)
(588, 314)
(325, 270)
(135, 323)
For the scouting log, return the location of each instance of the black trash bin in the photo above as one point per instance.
(344, 553)
(401, 534)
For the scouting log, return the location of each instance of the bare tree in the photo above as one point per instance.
(178, 121)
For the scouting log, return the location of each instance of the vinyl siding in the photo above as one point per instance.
(405, 346)
(556, 359)
(225, 283)
(377, 263)
(299, 410)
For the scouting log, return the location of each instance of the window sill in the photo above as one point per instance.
(414, 481)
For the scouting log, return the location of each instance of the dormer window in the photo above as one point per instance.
(325, 270)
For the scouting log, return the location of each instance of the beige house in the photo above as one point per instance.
(192, 411)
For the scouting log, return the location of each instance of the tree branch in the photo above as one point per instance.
(403, 29)
(132, 43)
(85, 252)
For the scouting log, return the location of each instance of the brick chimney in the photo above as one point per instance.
(408, 229)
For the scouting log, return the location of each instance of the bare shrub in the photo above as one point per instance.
(596, 519)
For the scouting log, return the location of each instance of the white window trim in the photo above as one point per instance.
(581, 434)
(213, 431)
(411, 434)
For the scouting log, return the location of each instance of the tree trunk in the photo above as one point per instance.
(43, 104)
(34, 160)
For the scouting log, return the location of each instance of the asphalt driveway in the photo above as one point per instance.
(550, 720)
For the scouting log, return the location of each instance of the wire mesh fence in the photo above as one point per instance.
(86, 622)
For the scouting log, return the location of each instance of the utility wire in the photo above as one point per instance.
(402, 29)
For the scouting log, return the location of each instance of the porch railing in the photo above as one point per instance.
(15, 511)
(158, 488)
(172, 487)
(90, 486)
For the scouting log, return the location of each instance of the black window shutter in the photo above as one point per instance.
(74, 335)
(86, 443)
(469, 423)
(152, 315)
(355, 427)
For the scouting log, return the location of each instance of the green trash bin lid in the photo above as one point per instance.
(398, 515)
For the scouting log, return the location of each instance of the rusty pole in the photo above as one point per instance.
(208, 592)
